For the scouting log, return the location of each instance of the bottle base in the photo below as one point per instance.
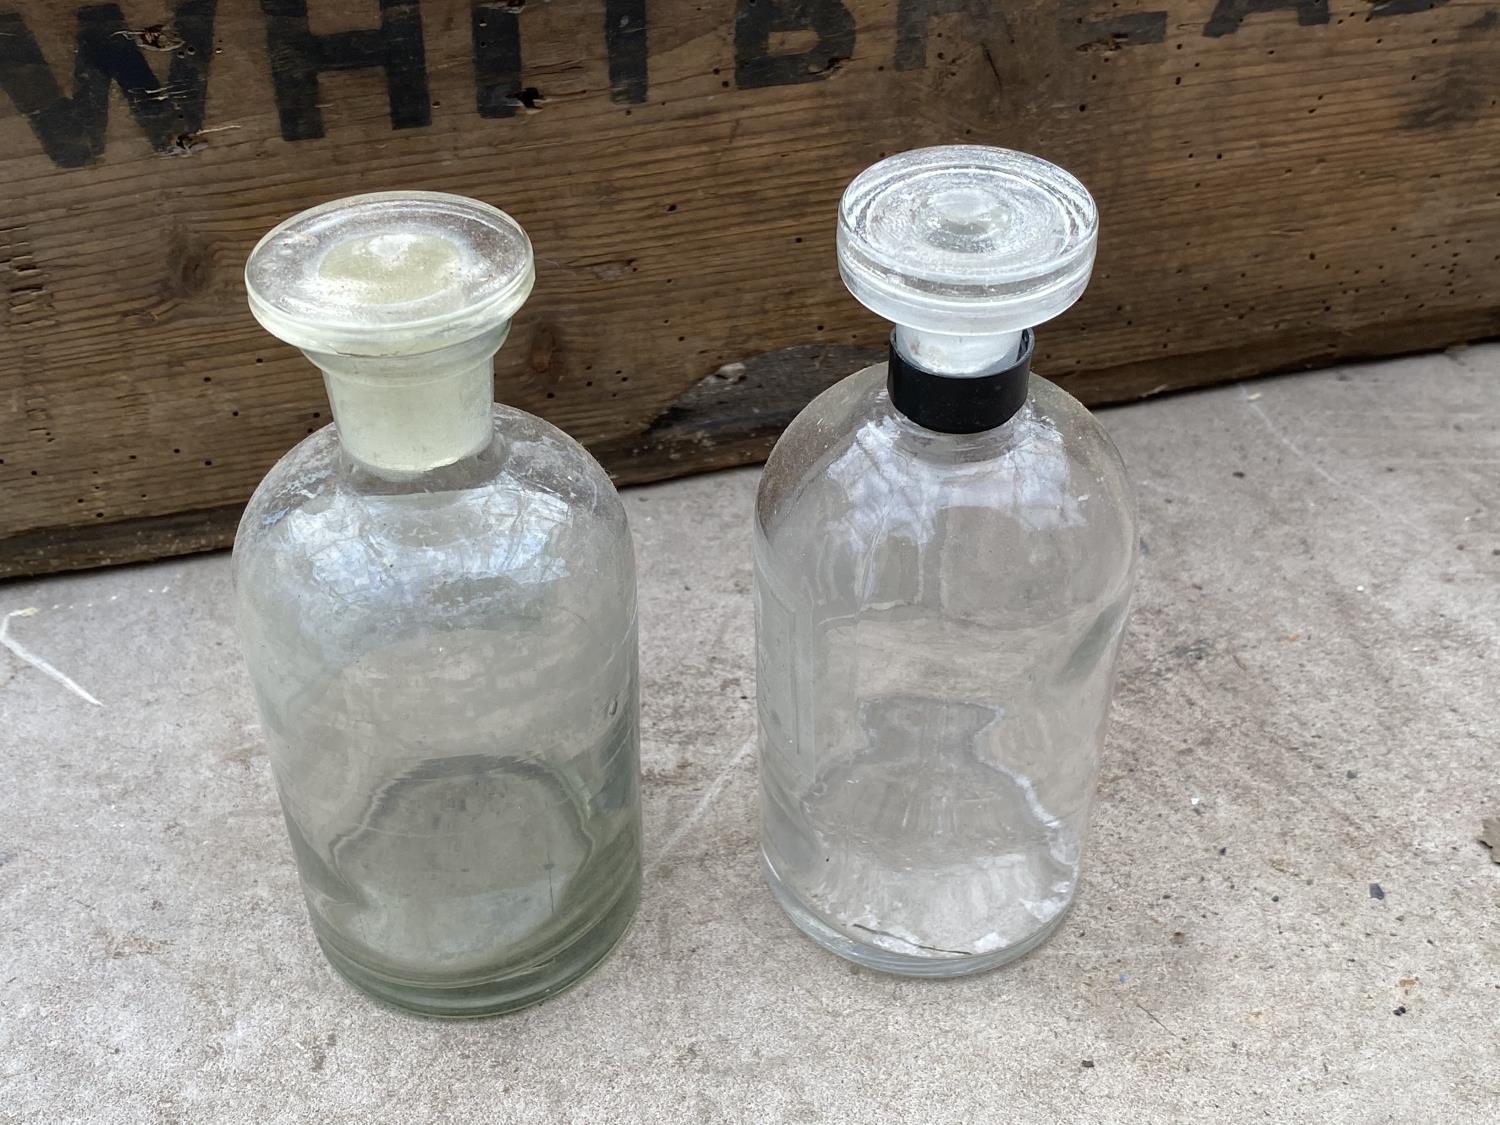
(508, 989)
(900, 964)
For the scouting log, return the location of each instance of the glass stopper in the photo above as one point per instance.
(966, 239)
(390, 273)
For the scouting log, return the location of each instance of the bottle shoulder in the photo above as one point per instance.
(534, 508)
(852, 441)
(853, 486)
(530, 454)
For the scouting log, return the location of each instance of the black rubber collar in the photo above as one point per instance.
(960, 405)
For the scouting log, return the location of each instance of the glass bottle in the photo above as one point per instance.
(944, 555)
(436, 596)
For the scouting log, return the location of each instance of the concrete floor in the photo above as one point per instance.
(1286, 915)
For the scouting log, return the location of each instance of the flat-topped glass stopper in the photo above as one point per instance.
(966, 240)
(390, 273)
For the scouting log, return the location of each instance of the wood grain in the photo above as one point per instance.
(1278, 190)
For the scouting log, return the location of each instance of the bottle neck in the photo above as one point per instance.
(959, 404)
(957, 356)
(403, 415)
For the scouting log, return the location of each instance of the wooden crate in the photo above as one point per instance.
(1282, 183)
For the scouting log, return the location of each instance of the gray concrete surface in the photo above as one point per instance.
(1308, 708)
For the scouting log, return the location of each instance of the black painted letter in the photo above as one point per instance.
(72, 129)
(298, 57)
(625, 42)
(755, 21)
(911, 26)
(1384, 9)
(1113, 31)
(1229, 14)
(497, 58)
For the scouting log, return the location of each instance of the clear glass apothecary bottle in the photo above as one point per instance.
(436, 596)
(945, 549)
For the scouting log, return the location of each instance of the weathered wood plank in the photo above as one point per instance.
(1283, 182)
